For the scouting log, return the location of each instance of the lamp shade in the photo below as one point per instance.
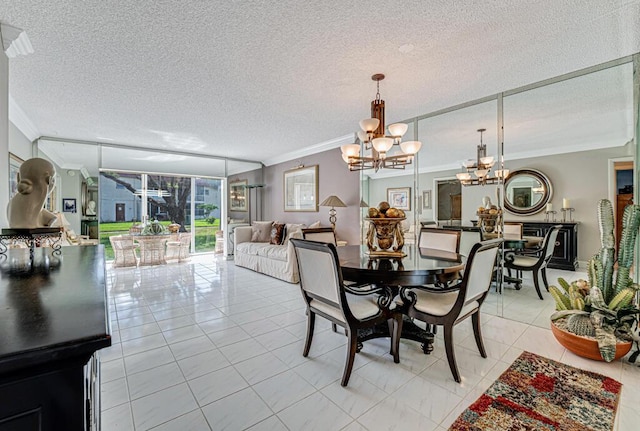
(382, 145)
(363, 136)
(370, 124)
(332, 201)
(410, 147)
(350, 150)
(397, 129)
(463, 176)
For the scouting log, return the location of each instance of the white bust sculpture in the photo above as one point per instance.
(36, 179)
(91, 208)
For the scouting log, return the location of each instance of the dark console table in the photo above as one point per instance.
(565, 253)
(52, 321)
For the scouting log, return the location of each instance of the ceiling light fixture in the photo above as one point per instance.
(372, 137)
(478, 170)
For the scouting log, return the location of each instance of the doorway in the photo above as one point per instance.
(120, 212)
(449, 201)
(623, 181)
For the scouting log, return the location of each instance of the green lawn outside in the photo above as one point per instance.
(205, 235)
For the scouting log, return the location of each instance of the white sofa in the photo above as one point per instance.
(277, 261)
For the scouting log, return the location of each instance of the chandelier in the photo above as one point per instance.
(480, 168)
(372, 138)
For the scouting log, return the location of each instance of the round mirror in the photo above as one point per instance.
(527, 192)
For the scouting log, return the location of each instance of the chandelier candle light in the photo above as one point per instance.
(373, 137)
(480, 167)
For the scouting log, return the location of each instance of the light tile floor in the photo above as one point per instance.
(209, 346)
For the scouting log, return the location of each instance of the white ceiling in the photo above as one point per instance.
(259, 80)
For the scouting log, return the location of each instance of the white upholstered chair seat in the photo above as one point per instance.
(362, 307)
(439, 304)
(525, 260)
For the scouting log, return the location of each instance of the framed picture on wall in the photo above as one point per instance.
(301, 189)
(426, 199)
(14, 168)
(400, 198)
(69, 205)
(238, 195)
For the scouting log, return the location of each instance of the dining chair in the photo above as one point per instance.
(322, 234)
(537, 262)
(468, 238)
(326, 295)
(450, 306)
(440, 239)
(444, 240)
(512, 230)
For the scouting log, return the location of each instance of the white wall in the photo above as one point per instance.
(19, 144)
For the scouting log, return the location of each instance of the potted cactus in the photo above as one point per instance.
(598, 319)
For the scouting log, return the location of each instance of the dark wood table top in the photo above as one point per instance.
(48, 315)
(420, 266)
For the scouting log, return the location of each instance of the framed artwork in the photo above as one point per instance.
(400, 198)
(522, 197)
(238, 195)
(69, 205)
(14, 168)
(426, 199)
(301, 189)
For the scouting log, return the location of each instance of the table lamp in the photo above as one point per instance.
(333, 202)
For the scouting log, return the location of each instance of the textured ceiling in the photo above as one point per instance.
(258, 79)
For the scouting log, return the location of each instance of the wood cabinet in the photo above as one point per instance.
(53, 320)
(565, 253)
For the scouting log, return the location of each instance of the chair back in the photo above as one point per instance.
(321, 277)
(549, 243)
(478, 271)
(512, 230)
(321, 234)
(468, 238)
(440, 239)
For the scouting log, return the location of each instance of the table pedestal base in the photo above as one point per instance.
(410, 331)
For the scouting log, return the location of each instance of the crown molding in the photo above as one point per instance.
(21, 121)
(311, 150)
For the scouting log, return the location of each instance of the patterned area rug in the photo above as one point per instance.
(536, 393)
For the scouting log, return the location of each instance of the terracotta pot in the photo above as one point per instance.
(586, 347)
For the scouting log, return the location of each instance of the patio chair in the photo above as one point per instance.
(124, 250)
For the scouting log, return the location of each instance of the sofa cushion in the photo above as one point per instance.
(261, 231)
(253, 248)
(275, 252)
(278, 233)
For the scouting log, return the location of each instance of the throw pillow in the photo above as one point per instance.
(291, 228)
(261, 231)
(277, 233)
(315, 225)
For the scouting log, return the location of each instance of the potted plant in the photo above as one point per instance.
(598, 318)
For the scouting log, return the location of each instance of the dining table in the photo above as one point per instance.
(420, 267)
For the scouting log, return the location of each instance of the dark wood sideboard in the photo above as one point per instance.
(52, 321)
(565, 254)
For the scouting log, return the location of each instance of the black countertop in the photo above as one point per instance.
(54, 314)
